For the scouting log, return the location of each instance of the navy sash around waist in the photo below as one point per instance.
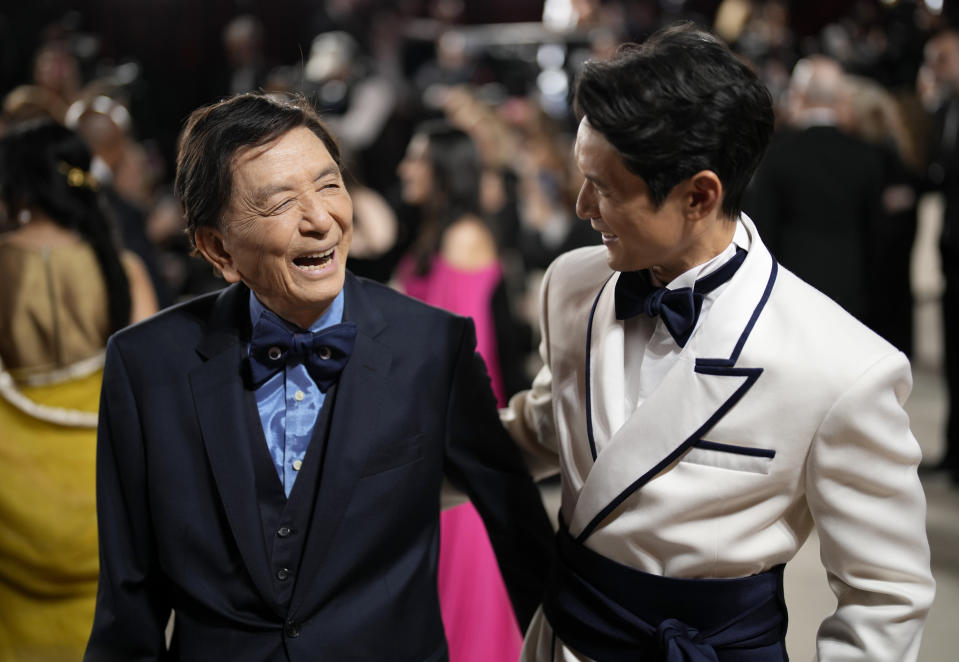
(614, 613)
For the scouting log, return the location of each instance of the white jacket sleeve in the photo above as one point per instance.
(870, 512)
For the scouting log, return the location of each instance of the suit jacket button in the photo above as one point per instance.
(282, 573)
(284, 531)
(292, 629)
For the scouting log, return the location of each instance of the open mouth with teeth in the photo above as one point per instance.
(314, 261)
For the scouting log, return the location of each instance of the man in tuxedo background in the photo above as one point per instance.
(270, 457)
(942, 98)
(706, 408)
(817, 194)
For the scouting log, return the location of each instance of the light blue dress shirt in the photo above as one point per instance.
(290, 401)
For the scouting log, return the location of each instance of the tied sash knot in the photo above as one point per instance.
(324, 353)
(679, 642)
(678, 308)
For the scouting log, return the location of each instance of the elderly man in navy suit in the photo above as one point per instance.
(271, 456)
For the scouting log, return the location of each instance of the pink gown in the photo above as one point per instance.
(477, 614)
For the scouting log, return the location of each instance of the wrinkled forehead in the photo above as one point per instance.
(297, 152)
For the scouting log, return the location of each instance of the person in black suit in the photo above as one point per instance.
(271, 457)
(816, 196)
(942, 65)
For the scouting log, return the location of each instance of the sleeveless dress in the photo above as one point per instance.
(53, 328)
(477, 614)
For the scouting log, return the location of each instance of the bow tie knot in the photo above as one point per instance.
(324, 353)
(661, 300)
(678, 308)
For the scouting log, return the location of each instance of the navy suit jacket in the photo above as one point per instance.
(178, 514)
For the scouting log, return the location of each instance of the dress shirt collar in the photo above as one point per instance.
(332, 315)
(688, 278)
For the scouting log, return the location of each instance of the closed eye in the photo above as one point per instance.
(282, 207)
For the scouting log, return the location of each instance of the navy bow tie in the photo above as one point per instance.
(324, 352)
(679, 308)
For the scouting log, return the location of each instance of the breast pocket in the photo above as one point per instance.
(394, 455)
(730, 456)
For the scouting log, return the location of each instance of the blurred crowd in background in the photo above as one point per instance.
(125, 75)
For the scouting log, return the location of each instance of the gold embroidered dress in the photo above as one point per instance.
(53, 329)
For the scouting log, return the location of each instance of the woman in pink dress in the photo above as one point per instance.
(454, 264)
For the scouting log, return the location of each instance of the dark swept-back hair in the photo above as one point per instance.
(456, 168)
(212, 136)
(45, 165)
(679, 103)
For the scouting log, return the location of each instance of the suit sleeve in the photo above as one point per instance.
(483, 462)
(131, 610)
(529, 415)
(865, 496)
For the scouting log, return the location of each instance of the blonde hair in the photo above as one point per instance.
(877, 117)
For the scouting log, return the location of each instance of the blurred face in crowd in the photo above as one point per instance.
(416, 172)
(942, 60)
(616, 202)
(287, 230)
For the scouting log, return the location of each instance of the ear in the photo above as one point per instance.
(210, 243)
(704, 195)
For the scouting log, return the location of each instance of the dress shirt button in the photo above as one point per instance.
(282, 573)
(292, 629)
(298, 396)
(297, 464)
(284, 531)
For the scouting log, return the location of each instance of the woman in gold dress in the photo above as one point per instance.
(66, 287)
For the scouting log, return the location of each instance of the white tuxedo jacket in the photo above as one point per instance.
(782, 413)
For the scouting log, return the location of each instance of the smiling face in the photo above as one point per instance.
(637, 234)
(287, 229)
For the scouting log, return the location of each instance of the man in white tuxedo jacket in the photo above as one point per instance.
(705, 407)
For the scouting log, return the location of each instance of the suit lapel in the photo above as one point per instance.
(606, 356)
(222, 405)
(695, 394)
(362, 391)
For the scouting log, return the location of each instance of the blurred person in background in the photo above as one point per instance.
(498, 150)
(816, 196)
(876, 117)
(454, 265)
(940, 94)
(26, 102)
(246, 61)
(355, 99)
(56, 70)
(548, 183)
(67, 287)
(375, 250)
(105, 125)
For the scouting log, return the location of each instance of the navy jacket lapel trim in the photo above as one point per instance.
(222, 407)
(362, 392)
(704, 366)
(589, 335)
(719, 363)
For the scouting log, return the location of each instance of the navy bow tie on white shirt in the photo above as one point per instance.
(324, 352)
(679, 308)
